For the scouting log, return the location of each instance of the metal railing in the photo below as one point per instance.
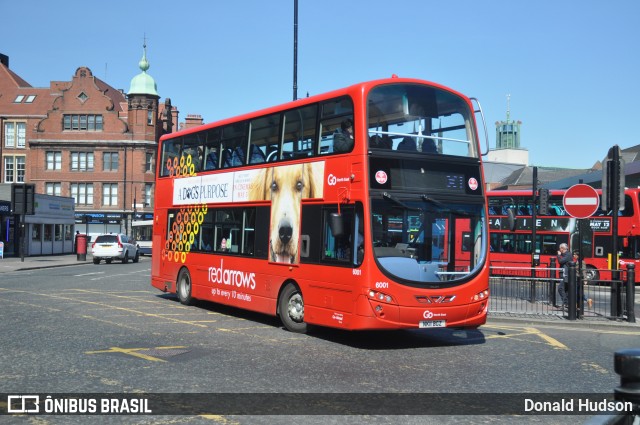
(534, 291)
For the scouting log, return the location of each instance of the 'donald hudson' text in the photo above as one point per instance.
(580, 405)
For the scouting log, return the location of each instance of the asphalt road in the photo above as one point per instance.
(90, 329)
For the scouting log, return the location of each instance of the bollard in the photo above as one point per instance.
(571, 288)
(631, 292)
(616, 294)
(552, 283)
(627, 365)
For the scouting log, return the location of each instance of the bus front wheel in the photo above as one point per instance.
(591, 273)
(184, 287)
(291, 309)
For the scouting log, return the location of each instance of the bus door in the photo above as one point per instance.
(159, 233)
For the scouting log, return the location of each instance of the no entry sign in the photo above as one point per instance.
(581, 201)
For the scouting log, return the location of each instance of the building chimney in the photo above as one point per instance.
(4, 59)
(192, 120)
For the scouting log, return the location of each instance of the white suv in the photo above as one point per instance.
(114, 247)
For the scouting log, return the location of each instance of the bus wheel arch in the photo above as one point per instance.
(591, 273)
(291, 307)
(184, 286)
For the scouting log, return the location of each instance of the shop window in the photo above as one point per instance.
(36, 232)
(48, 232)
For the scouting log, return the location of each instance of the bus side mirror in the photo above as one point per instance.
(336, 224)
(511, 219)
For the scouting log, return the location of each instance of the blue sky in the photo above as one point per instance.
(571, 67)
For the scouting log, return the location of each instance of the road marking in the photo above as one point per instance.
(136, 352)
(551, 341)
(87, 274)
(527, 331)
(129, 310)
(220, 419)
(596, 367)
(30, 305)
(599, 331)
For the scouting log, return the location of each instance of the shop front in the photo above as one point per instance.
(7, 229)
(94, 224)
(50, 230)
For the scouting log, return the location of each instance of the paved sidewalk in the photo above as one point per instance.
(10, 264)
(497, 318)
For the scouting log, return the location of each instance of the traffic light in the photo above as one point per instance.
(613, 181)
(543, 201)
(23, 198)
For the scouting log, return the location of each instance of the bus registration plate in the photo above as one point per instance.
(432, 324)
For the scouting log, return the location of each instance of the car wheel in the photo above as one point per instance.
(125, 258)
(183, 286)
(97, 261)
(291, 309)
(108, 261)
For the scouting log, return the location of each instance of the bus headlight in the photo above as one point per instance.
(380, 297)
(481, 295)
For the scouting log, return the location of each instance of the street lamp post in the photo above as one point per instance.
(295, 49)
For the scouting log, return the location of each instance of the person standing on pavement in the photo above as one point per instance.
(589, 301)
(564, 258)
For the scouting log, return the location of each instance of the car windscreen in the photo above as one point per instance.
(107, 239)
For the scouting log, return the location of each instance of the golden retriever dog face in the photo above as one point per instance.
(286, 186)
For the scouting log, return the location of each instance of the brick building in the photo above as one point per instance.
(86, 140)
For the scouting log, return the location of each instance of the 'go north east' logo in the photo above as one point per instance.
(333, 180)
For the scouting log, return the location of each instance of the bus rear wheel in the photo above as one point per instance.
(291, 309)
(183, 287)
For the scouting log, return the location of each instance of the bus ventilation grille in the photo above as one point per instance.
(435, 299)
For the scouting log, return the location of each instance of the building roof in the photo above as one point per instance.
(523, 177)
(117, 96)
(13, 77)
(143, 83)
(18, 98)
(495, 172)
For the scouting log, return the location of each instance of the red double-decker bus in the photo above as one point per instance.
(592, 237)
(338, 210)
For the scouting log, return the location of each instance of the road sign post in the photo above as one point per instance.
(22, 203)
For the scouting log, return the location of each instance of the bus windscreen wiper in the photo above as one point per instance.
(439, 204)
(427, 198)
(390, 198)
